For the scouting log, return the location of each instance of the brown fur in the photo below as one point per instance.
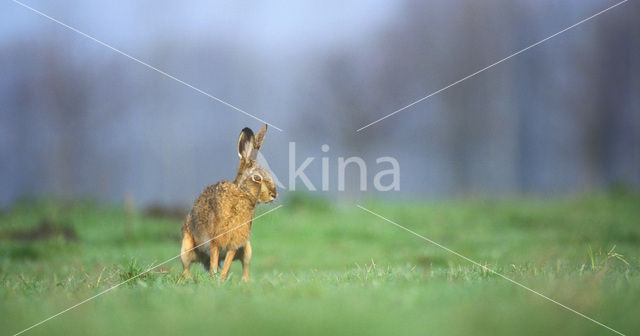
(223, 212)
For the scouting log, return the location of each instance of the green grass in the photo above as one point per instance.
(320, 268)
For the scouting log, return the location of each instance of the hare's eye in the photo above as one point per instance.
(256, 178)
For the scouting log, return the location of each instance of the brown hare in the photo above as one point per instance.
(223, 212)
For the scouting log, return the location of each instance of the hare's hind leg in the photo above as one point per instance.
(187, 254)
(246, 260)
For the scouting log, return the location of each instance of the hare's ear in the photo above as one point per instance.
(258, 142)
(245, 143)
(260, 137)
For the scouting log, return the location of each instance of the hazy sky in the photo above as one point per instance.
(548, 120)
(269, 26)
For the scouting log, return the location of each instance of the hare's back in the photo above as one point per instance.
(220, 208)
(209, 206)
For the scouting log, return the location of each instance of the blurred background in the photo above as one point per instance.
(78, 120)
(531, 168)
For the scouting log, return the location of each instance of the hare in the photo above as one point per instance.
(223, 212)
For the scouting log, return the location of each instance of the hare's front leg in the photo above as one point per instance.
(215, 254)
(246, 259)
(187, 254)
(227, 264)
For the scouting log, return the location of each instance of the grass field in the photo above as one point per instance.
(320, 268)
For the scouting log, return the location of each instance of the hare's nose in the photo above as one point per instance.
(273, 195)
